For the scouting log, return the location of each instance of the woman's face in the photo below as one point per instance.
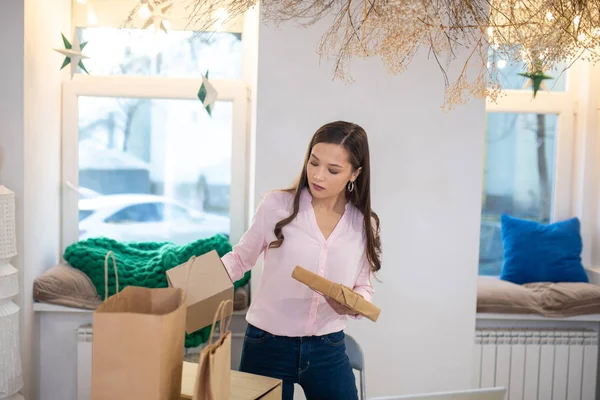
(329, 170)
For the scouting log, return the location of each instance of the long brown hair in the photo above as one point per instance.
(354, 139)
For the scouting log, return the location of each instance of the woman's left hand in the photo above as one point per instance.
(340, 308)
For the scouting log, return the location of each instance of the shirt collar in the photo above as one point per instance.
(306, 200)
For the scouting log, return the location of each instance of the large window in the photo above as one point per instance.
(528, 162)
(518, 178)
(142, 158)
(183, 54)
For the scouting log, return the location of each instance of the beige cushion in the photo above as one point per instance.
(66, 286)
(502, 297)
(548, 299)
(567, 299)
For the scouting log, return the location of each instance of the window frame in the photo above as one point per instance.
(564, 105)
(150, 87)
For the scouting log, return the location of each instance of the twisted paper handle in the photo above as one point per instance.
(220, 315)
(110, 253)
(189, 272)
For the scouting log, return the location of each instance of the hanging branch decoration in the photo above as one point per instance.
(207, 94)
(547, 32)
(211, 15)
(73, 54)
(158, 15)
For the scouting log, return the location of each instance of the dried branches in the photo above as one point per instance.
(541, 33)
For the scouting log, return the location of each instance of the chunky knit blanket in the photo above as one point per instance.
(143, 264)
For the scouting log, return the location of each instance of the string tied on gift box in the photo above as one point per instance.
(347, 294)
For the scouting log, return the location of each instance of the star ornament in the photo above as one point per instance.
(73, 55)
(158, 16)
(536, 80)
(207, 94)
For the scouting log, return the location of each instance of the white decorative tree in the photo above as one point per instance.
(11, 374)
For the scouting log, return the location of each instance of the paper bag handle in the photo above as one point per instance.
(220, 315)
(223, 318)
(110, 253)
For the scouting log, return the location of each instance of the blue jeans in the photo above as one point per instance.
(319, 364)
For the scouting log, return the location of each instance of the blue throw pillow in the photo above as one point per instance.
(535, 252)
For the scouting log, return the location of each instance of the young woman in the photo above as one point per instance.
(324, 224)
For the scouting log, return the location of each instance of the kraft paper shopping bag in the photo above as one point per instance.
(138, 343)
(213, 379)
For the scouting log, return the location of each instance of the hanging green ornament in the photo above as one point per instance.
(536, 80)
(207, 94)
(73, 54)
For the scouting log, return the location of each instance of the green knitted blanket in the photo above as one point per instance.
(143, 264)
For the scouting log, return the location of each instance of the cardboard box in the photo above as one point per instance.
(337, 292)
(209, 284)
(243, 386)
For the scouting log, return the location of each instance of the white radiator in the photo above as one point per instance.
(84, 362)
(538, 364)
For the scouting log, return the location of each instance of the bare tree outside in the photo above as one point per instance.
(542, 164)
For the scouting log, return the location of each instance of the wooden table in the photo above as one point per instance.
(243, 386)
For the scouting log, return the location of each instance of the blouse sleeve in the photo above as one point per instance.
(363, 284)
(243, 256)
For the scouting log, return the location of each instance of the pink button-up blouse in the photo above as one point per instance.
(282, 305)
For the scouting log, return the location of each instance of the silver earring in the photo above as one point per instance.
(350, 186)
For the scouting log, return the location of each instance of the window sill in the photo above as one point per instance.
(45, 307)
(53, 308)
(593, 274)
(535, 317)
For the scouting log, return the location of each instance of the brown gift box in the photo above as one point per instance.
(209, 284)
(337, 292)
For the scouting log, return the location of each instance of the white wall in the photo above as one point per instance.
(586, 171)
(11, 106)
(30, 146)
(12, 122)
(427, 182)
(44, 23)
